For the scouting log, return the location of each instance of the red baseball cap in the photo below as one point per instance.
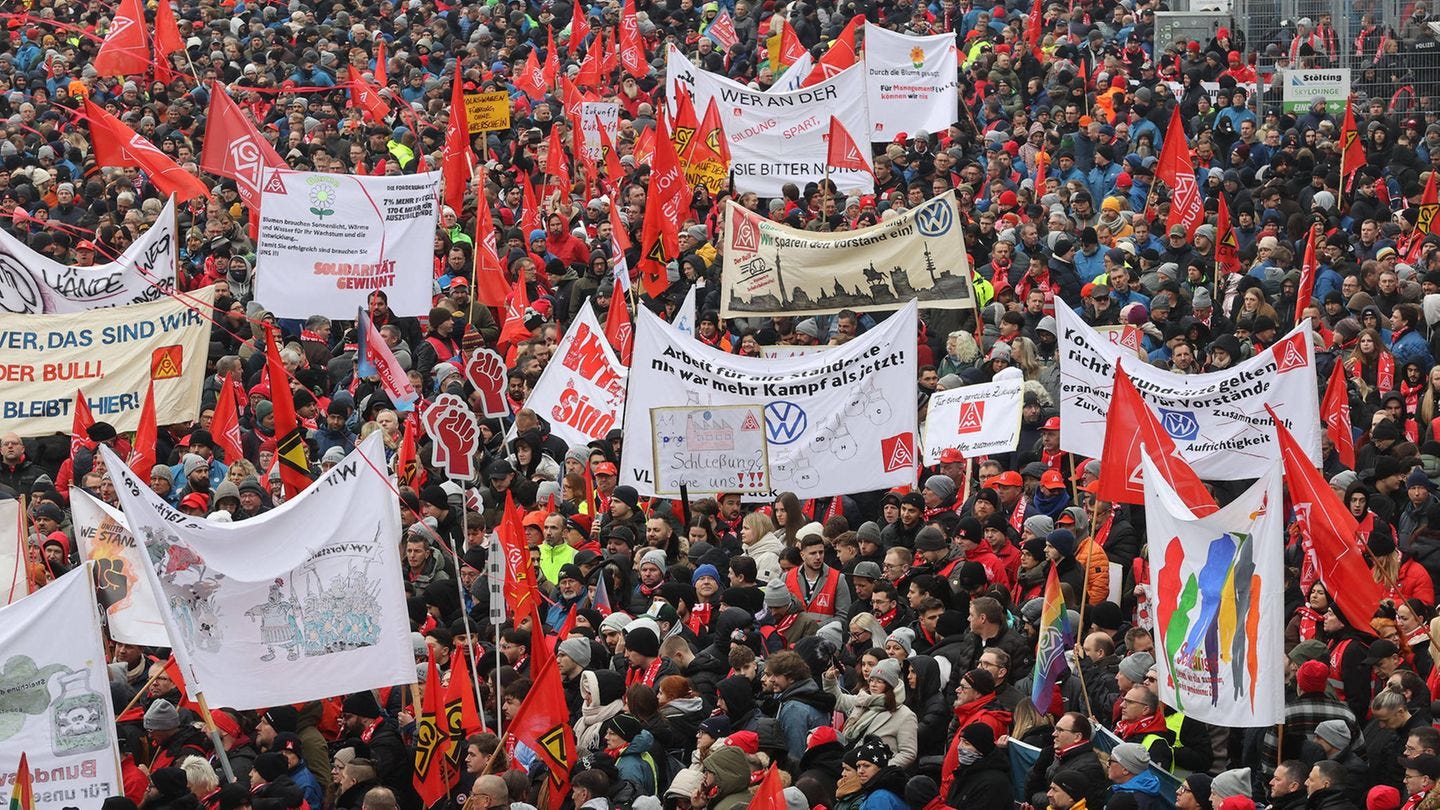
(1053, 423)
(951, 456)
(1009, 478)
(1052, 480)
(604, 468)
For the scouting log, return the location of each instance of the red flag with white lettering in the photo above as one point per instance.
(1175, 169)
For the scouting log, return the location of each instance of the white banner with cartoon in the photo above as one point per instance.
(34, 283)
(131, 612)
(911, 83)
(328, 240)
(581, 392)
(770, 269)
(850, 408)
(974, 419)
(1218, 420)
(300, 603)
(55, 696)
(1219, 584)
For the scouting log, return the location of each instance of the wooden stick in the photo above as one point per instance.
(215, 732)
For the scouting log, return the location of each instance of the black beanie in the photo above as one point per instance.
(361, 704)
(643, 641)
(980, 736)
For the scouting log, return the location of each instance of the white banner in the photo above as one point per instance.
(850, 408)
(717, 448)
(294, 605)
(1220, 602)
(792, 77)
(1303, 86)
(110, 354)
(56, 696)
(328, 240)
(14, 553)
(773, 269)
(911, 83)
(34, 283)
(121, 587)
(778, 138)
(593, 116)
(1218, 420)
(975, 419)
(582, 389)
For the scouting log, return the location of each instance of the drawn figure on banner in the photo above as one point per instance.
(78, 717)
(188, 587)
(278, 625)
(836, 439)
(342, 616)
(24, 690)
(871, 402)
(710, 432)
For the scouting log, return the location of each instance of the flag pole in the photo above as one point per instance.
(465, 614)
(215, 737)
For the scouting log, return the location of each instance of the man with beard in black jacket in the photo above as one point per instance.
(379, 737)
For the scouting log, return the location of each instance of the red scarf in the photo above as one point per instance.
(1385, 372)
(1017, 515)
(371, 729)
(1310, 622)
(699, 618)
(1150, 724)
(633, 675)
(889, 616)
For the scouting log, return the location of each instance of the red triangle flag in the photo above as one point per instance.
(1129, 426)
(80, 425)
(234, 148)
(790, 48)
(618, 329)
(118, 145)
(1309, 268)
(432, 733)
(381, 77)
(456, 163)
(513, 330)
(367, 98)
(289, 440)
(1034, 26)
(1335, 410)
(770, 794)
(225, 425)
(842, 54)
(490, 286)
(632, 45)
(125, 50)
(543, 725)
(530, 209)
(460, 710)
(841, 151)
(142, 448)
(579, 28)
(711, 137)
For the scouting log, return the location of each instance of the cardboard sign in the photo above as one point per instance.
(710, 449)
(487, 112)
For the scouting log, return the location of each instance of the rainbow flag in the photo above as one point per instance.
(22, 797)
(1055, 638)
(601, 602)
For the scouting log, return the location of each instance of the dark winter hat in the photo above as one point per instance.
(643, 641)
(1076, 786)
(286, 718)
(271, 765)
(360, 704)
(626, 726)
(980, 736)
(873, 749)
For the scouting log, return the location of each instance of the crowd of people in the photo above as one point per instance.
(876, 647)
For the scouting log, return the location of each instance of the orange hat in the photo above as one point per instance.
(1065, 519)
(1093, 487)
(536, 519)
(1052, 480)
(1053, 423)
(604, 468)
(1009, 478)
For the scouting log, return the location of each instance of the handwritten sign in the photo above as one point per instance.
(487, 112)
(719, 448)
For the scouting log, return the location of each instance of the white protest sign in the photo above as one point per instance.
(56, 695)
(850, 407)
(112, 354)
(911, 83)
(123, 590)
(779, 138)
(328, 240)
(32, 282)
(14, 553)
(582, 389)
(593, 116)
(710, 449)
(975, 419)
(1218, 420)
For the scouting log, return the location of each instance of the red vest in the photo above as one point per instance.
(824, 600)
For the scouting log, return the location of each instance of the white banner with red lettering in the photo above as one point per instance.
(1218, 420)
(581, 392)
(123, 590)
(911, 83)
(974, 419)
(328, 240)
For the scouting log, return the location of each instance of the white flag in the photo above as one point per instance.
(121, 585)
(14, 553)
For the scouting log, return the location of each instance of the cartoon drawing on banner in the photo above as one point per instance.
(77, 716)
(343, 616)
(188, 588)
(871, 402)
(24, 690)
(278, 626)
(710, 448)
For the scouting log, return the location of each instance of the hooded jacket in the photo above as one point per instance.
(712, 663)
(983, 784)
(928, 703)
(803, 708)
(866, 715)
(732, 778)
(766, 554)
(739, 697)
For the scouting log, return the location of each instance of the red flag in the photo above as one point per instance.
(167, 33)
(408, 471)
(685, 124)
(367, 98)
(289, 440)
(666, 205)
(617, 228)
(520, 593)
(532, 77)
(610, 53)
(618, 329)
(543, 725)
(126, 48)
(381, 77)
(770, 794)
(1352, 151)
(1429, 207)
(1335, 410)
(557, 164)
(1330, 534)
(579, 28)
(1227, 249)
(530, 211)
(432, 733)
(841, 151)
(644, 148)
(461, 715)
(790, 48)
(1129, 424)
(142, 447)
(490, 286)
(80, 425)
(1309, 268)
(1033, 28)
(589, 75)
(513, 330)
(710, 138)
(842, 54)
(456, 164)
(118, 145)
(632, 46)
(1042, 168)
(234, 149)
(1175, 170)
(225, 425)
(722, 30)
(613, 170)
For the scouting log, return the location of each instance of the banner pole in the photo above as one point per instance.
(465, 614)
(215, 737)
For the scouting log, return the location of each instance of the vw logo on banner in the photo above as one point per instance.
(936, 217)
(785, 422)
(1180, 424)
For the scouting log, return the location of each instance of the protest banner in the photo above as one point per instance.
(1218, 420)
(793, 76)
(911, 83)
(1220, 601)
(487, 112)
(112, 354)
(781, 350)
(14, 553)
(290, 606)
(56, 706)
(595, 115)
(773, 269)
(582, 389)
(705, 448)
(33, 283)
(779, 138)
(851, 405)
(121, 587)
(975, 419)
(1302, 87)
(328, 240)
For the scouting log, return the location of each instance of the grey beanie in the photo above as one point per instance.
(1344, 479)
(1133, 757)
(1040, 525)
(189, 462)
(1047, 324)
(1135, 665)
(777, 595)
(161, 716)
(577, 650)
(654, 557)
(950, 382)
(905, 637)
(869, 530)
(1234, 782)
(942, 485)
(887, 671)
(1335, 732)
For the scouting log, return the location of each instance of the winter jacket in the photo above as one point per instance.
(1080, 758)
(1145, 788)
(732, 778)
(803, 708)
(866, 715)
(766, 554)
(983, 784)
(885, 790)
(637, 764)
(930, 705)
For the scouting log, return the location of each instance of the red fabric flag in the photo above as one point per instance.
(289, 440)
(543, 725)
(770, 794)
(80, 425)
(432, 734)
(710, 139)
(632, 46)
(841, 150)
(1329, 534)
(644, 148)
(532, 77)
(490, 286)
(1227, 249)
(513, 330)
(461, 715)
(620, 236)
(126, 48)
(610, 53)
(167, 33)
(613, 170)
(366, 98)
(1174, 168)
(1033, 28)
(381, 71)
(557, 165)
(118, 145)
(234, 149)
(142, 448)
(1352, 150)
(1129, 424)
(790, 48)
(722, 30)
(520, 593)
(408, 471)
(1042, 168)
(842, 54)
(1429, 207)
(579, 28)
(456, 164)
(530, 211)
(225, 425)
(618, 329)
(1335, 410)
(685, 124)
(666, 205)
(589, 75)
(1309, 268)
(552, 59)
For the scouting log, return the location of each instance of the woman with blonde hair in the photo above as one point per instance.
(762, 543)
(961, 354)
(1024, 357)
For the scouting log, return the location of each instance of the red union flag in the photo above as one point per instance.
(722, 30)
(119, 145)
(632, 46)
(234, 149)
(1186, 207)
(898, 451)
(1335, 410)
(842, 151)
(126, 48)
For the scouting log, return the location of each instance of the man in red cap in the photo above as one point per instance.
(1013, 503)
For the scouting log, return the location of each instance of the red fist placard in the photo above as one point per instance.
(451, 425)
(486, 371)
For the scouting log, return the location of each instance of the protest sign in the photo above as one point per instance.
(455, 434)
(328, 240)
(112, 354)
(1302, 87)
(121, 587)
(594, 116)
(286, 607)
(974, 419)
(34, 283)
(850, 406)
(773, 269)
(705, 448)
(911, 83)
(14, 553)
(1220, 602)
(487, 112)
(794, 76)
(1218, 420)
(582, 389)
(779, 138)
(56, 696)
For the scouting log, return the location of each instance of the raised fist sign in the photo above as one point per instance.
(450, 424)
(486, 371)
